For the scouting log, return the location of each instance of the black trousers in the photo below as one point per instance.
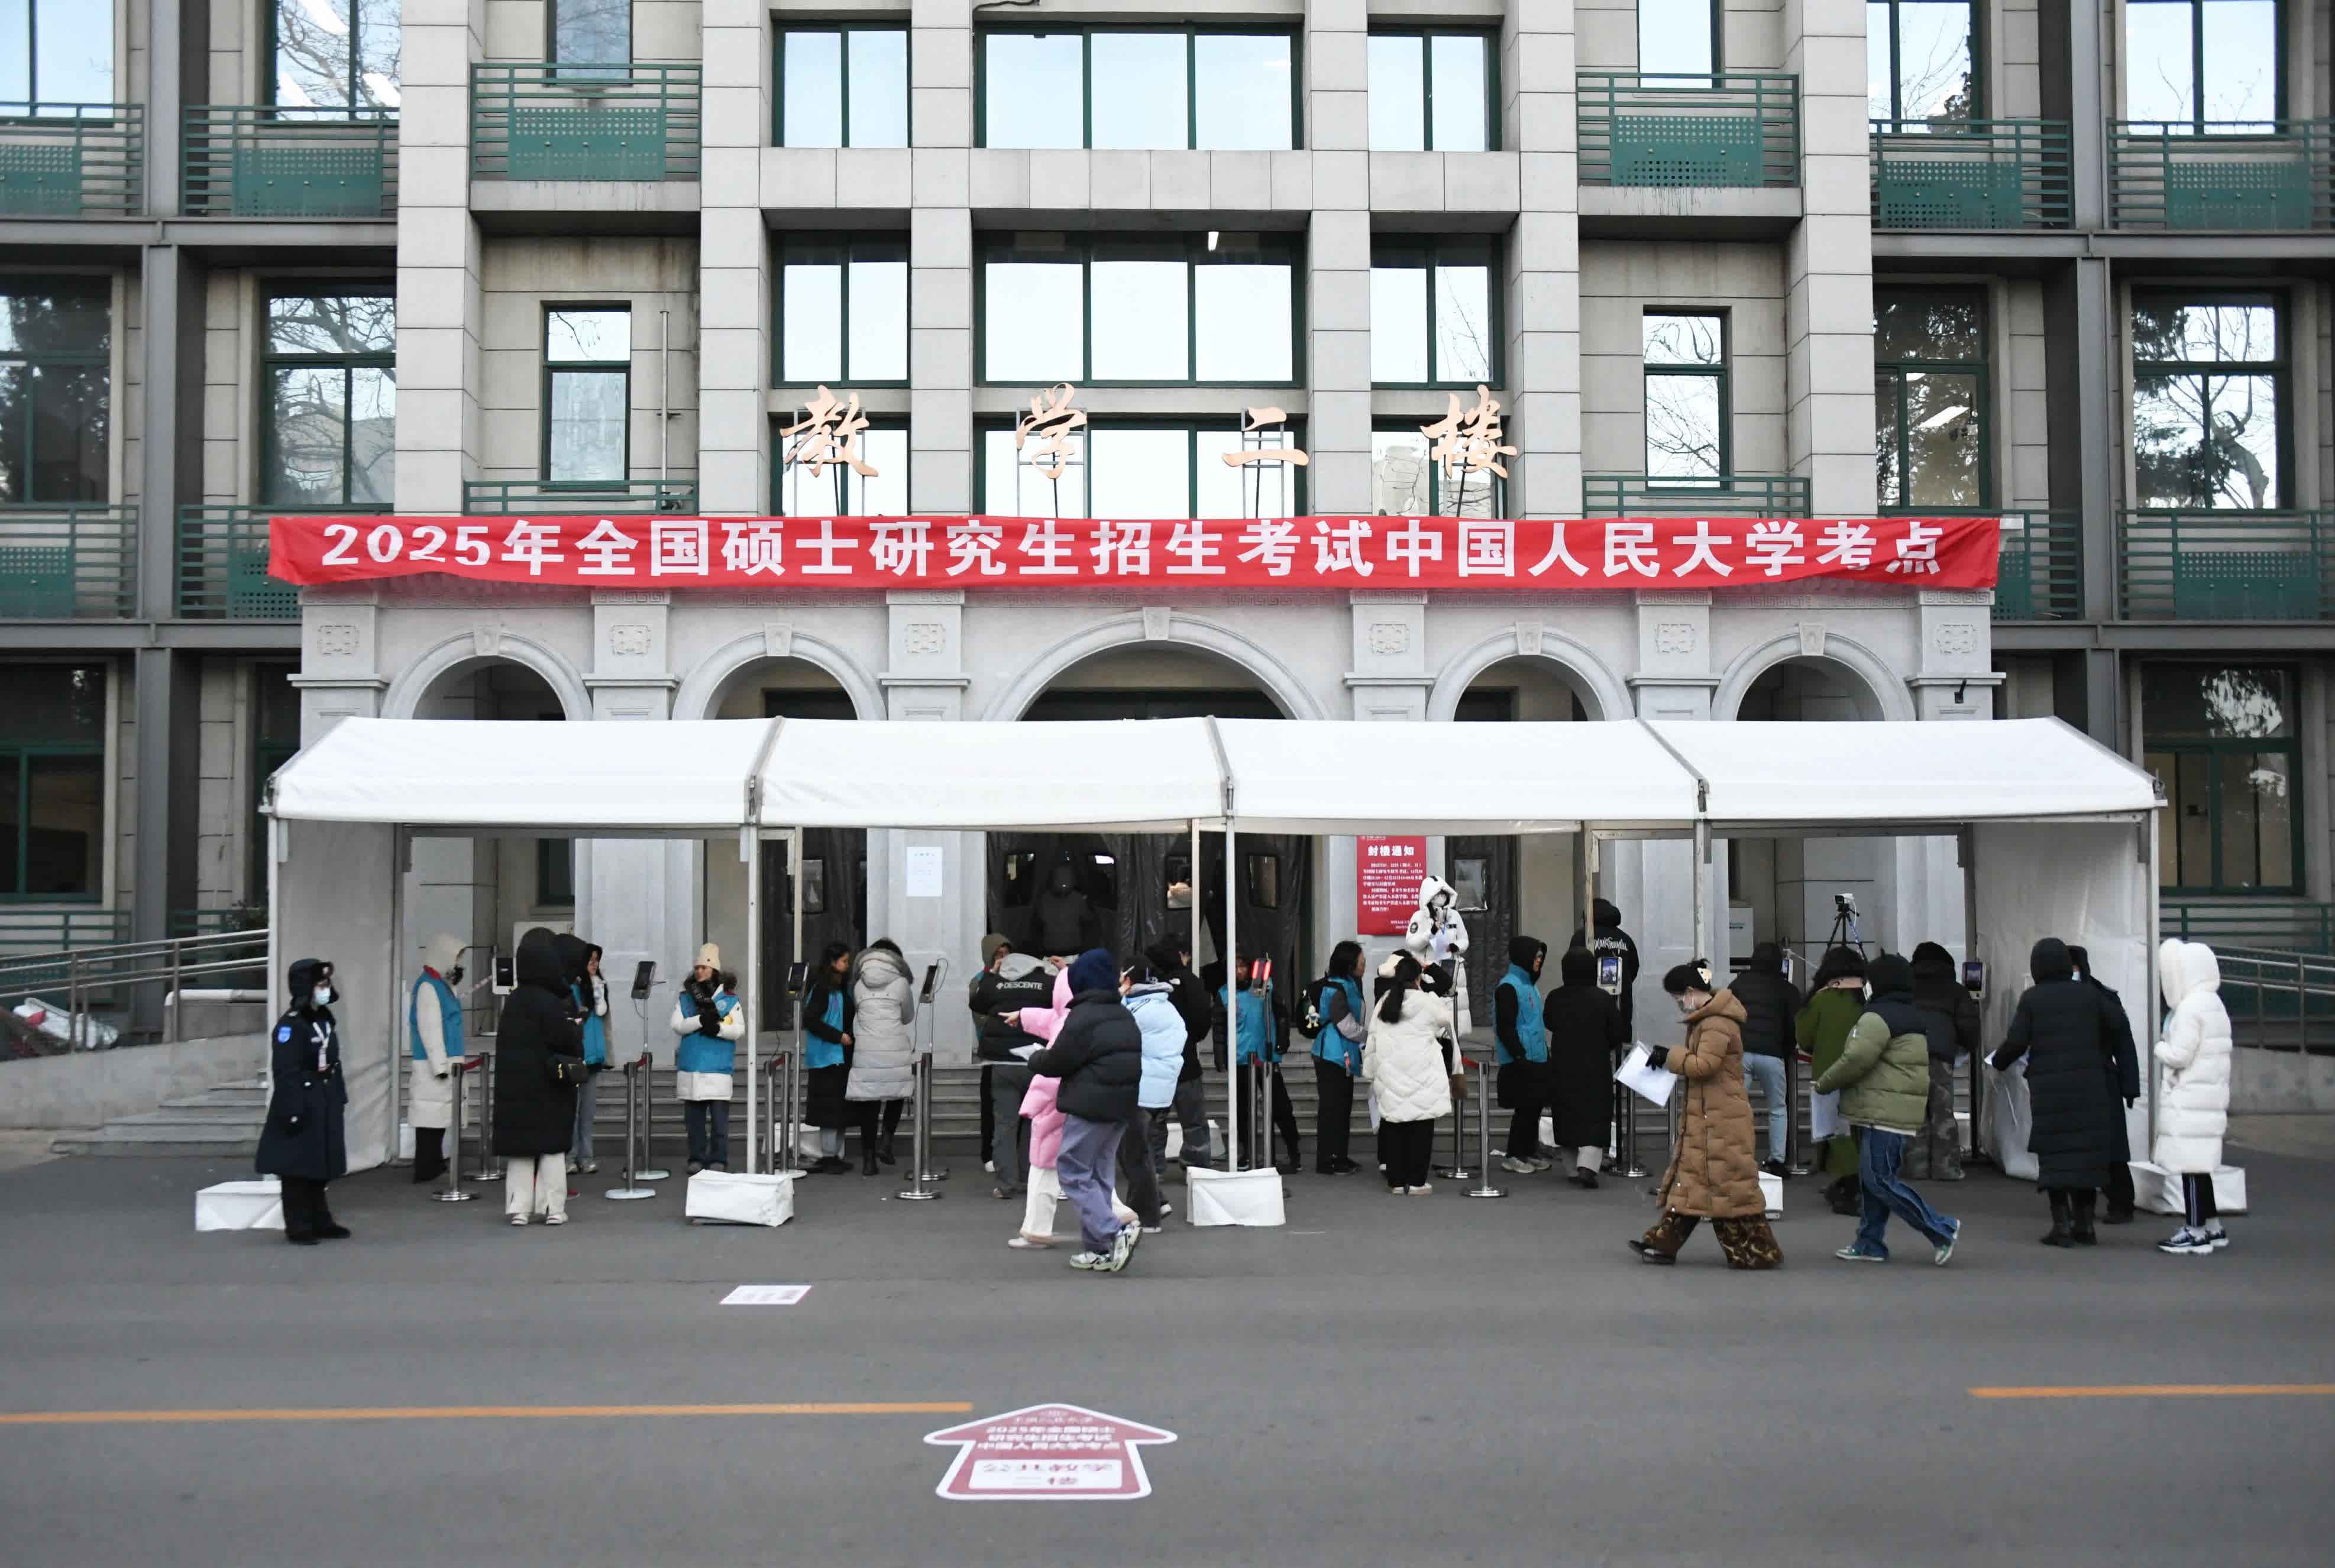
(1523, 1085)
(2120, 1193)
(428, 1153)
(2197, 1198)
(1136, 1169)
(988, 1115)
(1332, 1127)
(1408, 1147)
(305, 1213)
(867, 1108)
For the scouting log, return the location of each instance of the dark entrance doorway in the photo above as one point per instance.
(835, 874)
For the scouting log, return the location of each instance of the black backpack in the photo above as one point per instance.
(1310, 1020)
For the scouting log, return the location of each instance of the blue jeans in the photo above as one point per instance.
(1087, 1168)
(1878, 1156)
(1768, 1073)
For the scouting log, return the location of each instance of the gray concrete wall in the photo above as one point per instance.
(2280, 1081)
(91, 1087)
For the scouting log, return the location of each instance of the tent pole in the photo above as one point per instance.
(1966, 847)
(1588, 887)
(1700, 948)
(2154, 926)
(1207, 1155)
(279, 849)
(400, 862)
(1231, 958)
(751, 849)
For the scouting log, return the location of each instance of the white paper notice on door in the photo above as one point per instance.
(923, 878)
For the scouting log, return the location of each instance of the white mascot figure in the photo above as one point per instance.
(1437, 935)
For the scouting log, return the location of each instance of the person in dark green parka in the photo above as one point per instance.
(1835, 1002)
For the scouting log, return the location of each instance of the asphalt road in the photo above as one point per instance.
(1385, 1381)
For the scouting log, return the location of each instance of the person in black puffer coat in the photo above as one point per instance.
(1952, 1015)
(1172, 960)
(301, 1144)
(2064, 1029)
(2119, 1211)
(1770, 1002)
(538, 1060)
(1008, 982)
(1585, 1037)
(1099, 1057)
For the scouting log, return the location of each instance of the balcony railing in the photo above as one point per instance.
(1970, 174)
(68, 562)
(2225, 566)
(617, 498)
(636, 122)
(2273, 175)
(2290, 926)
(2039, 566)
(57, 931)
(71, 160)
(1642, 130)
(223, 563)
(272, 161)
(1655, 496)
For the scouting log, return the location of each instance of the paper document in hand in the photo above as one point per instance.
(1639, 1075)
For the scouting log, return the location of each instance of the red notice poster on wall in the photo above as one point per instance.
(1385, 883)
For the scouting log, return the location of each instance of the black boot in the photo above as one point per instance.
(868, 1157)
(884, 1151)
(2085, 1236)
(1846, 1197)
(2063, 1215)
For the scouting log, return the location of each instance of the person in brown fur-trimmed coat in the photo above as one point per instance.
(1715, 1174)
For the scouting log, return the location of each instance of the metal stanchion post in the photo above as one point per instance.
(452, 1192)
(635, 1082)
(1484, 1187)
(1630, 1168)
(1797, 1081)
(483, 1069)
(790, 1127)
(919, 1146)
(648, 1122)
(1458, 1170)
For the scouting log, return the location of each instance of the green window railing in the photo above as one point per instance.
(2285, 924)
(2224, 566)
(2039, 567)
(222, 564)
(39, 932)
(1970, 174)
(618, 497)
(71, 160)
(273, 160)
(1734, 496)
(68, 562)
(1725, 130)
(2227, 176)
(635, 121)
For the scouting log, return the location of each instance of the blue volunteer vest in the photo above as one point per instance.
(1531, 1032)
(448, 1009)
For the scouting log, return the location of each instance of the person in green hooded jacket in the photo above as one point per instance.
(1835, 1002)
(1883, 1079)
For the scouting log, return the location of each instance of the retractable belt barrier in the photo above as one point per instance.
(637, 1095)
(920, 1140)
(452, 1192)
(483, 1065)
(1484, 1187)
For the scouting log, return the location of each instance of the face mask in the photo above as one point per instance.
(454, 976)
(324, 996)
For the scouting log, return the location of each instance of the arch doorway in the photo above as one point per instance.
(1509, 883)
(1058, 892)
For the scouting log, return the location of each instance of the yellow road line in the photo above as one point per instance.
(461, 1413)
(2157, 1391)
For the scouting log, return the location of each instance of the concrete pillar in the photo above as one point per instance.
(1828, 263)
(733, 473)
(439, 300)
(1338, 257)
(1544, 262)
(941, 450)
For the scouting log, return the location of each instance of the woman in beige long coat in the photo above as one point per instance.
(1715, 1174)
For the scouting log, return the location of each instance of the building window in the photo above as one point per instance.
(1433, 92)
(1687, 404)
(1929, 399)
(587, 369)
(555, 873)
(1142, 471)
(2220, 741)
(51, 781)
(1433, 318)
(55, 342)
(1919, 67)
(56, 52)
(1407, 482)
(589, 31)
(2207, 414)
(2191, 63)
(331, 372)
(1137, 87)
(332, 54)
(1679, 37)
(1219, 309)
(843, 87)
(842, 490)
(274, 738)
(843, 313)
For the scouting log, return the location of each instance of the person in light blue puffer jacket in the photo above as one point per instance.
(1151, 999)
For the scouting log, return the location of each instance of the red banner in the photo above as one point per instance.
(1387, 874)
(1279, 552)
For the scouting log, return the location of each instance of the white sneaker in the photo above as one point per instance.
(2216, 1235)
(1422, 1189)
(2186, 1243)
(1538, 1163)
(1165, 1208)
(1517, 1166)
(1026, 1242)
(1090, 1260)
(555, 1219)
(518, 1219)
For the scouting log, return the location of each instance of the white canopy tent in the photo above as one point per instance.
(2055, 829)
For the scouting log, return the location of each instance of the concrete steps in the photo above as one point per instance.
(224, 1122)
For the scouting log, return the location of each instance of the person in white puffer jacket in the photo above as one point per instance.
(1404, 1060)
(2192, 1091)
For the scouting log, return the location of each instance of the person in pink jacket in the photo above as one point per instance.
(1045, 1117)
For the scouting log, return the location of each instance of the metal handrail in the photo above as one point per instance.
(68, 562)
(2229, 175)
(71, 160)
(2223, 565)
(285, 160)
(571, 121)
(92, 977)
(2252, 977)
(1730, 128)
(1970, 174)
(620, 497)
(1727, 495)
(223, 562)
